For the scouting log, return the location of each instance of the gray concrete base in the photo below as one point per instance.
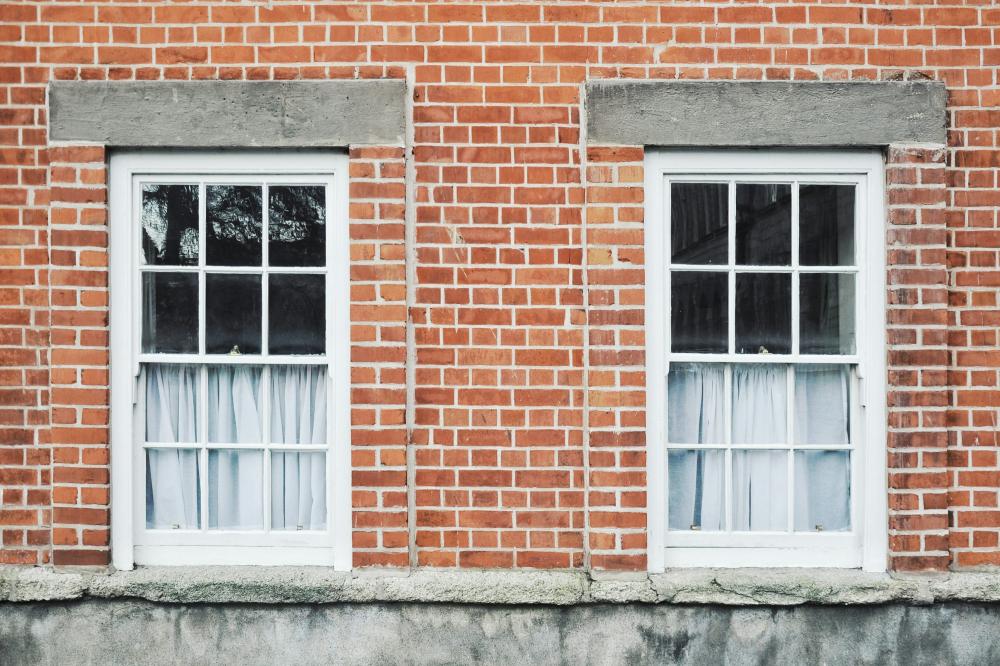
(131, 631)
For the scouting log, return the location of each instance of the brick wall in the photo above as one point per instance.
(522, 402)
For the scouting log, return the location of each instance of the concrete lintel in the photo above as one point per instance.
(765, 113)
(230, 114)
(279, 585)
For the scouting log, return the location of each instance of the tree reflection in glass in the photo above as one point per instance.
(170, 225)
(235, 225)
(297, 225)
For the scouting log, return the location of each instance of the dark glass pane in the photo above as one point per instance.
(297, 225)
(699, 218)
(232, 314)
(763, 313)
(764, 224)
(170, 313)
(170, 225)
(826, 313)
(234, 225)
(698, 307)
(826, 225)
(297, 318)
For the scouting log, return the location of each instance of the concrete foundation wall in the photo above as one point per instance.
(142, 632)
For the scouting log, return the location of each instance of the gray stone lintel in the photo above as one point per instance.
(228, 114)
(765, 113)
(280, 585)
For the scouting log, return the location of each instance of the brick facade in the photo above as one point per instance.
(497, 266)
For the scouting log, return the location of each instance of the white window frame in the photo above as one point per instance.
(131, 542)
(866, 546)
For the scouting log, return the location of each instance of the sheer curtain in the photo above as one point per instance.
(172, 486)
(298, 416)
(235, 475)
(760, 483)
(822, 478)
(696, 415)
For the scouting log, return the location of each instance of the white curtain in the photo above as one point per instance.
(696, 482)
(234, 400)
(822, 491)
(822, 415)
(298, 416)
(298, 487)
(696, 415)
(760, 477)
(696, 403)
(760, 490)
(760, 403)
(236, 476)
(822, 478)
(172, 487)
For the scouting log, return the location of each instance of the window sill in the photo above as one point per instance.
(280, 585)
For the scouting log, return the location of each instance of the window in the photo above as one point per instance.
(766, 339)
(230, 347)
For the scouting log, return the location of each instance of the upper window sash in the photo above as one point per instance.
(731, 179)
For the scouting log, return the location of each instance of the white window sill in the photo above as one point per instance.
(276, 585)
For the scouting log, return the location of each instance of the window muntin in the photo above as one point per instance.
(232, 407)
(762, 292)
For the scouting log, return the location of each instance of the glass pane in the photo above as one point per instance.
(826, 313)
(822, 491)
(297, 318)
(760, 491)
(170, 225)
(696, 403)
(698, 312)
(235, 489)
(763, 313)
(234, 404)
(826, 225)
(298, 491)
(760, 403)
(298, 404)
(173, 490)
(699, 220)
(234, 225)
(232, 314)
(764, 224)
(170, 313)
(297, 225)
(697, 487)
(822, 404)
(172, 399)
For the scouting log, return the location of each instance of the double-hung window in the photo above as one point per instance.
(767, 339)
(229, 327)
